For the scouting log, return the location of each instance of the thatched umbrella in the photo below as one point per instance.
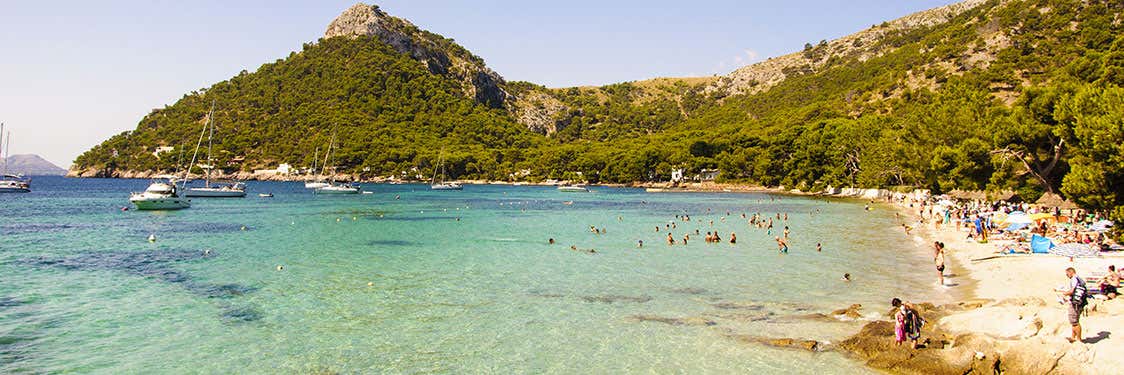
(1007, 196)
(1052, 200)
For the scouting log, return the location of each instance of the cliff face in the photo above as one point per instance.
(438, 54)
(862, 46)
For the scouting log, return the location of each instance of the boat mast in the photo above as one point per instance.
(441, 164)
(210, 138)
(187, 172)
(7, 150)
(315, 156)
(3, 171)
(327, 154)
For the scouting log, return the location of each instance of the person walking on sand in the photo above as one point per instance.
(1077, 293)
(938, 260)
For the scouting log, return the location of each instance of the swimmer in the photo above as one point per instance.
(733, 238)
(782, 246)
(670, 239)
(846, 277)
(818, 247)
(397, 197)
(639, 243)
(550, 241)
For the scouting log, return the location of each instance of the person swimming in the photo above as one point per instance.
(550, 241)
(639, 243)
(733, 238)
(670, 239)
(819, 247)
(782, 246)
(846, 277)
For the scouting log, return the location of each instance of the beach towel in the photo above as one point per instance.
(1075, 250)
(1040, 245)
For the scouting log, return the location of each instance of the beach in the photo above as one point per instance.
(1009, 306)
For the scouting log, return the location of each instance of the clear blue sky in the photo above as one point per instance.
(73, 73)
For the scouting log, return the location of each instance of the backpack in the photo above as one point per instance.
(1080, 297)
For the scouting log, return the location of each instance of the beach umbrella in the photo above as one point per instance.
(1017, 226)
(1018, 218)
(1075, 250)
(1101, 226)
(1040, 216)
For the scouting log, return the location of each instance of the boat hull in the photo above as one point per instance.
(215, 193)
(169, 203)
(573, 189)
(8, 189)
(337, 191)
(315, 185)
(446, 187)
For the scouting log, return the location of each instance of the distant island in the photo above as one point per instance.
(32, 165)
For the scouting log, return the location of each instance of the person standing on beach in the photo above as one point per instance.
(1077, 292)
(907, 323)
(938, 260)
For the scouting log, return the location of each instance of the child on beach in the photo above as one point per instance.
(907, 323)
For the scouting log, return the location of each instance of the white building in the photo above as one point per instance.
(161, 150)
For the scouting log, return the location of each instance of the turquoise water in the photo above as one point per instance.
(82, 290)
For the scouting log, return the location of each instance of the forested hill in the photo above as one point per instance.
(998, 94)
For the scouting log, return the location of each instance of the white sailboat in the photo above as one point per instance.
(162, 193)
(209, 189)
(11, 183)
(333, 187)
(318, 183)
(442, 184)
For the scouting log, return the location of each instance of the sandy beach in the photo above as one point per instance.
(1011, 304)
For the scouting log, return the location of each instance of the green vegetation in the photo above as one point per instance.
(1026, 95)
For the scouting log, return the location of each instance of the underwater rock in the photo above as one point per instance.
(688, 321)
(612, 298)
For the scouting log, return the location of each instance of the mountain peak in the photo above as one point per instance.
(360, 20)
(32, 165)
(439, 54)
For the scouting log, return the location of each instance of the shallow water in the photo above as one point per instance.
(84, 291)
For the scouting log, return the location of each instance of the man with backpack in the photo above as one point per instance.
(1078, 295)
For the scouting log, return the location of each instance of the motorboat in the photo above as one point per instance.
(160, 195)
(446, 186)
(573, 189)
(265, 195)
(339, 189)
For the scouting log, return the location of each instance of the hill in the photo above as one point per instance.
(32, 165)
(997, 94)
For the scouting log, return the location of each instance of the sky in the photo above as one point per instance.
(73, 73)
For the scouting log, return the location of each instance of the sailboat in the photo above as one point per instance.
(11, 183)
(442, 185)
(314, 184)
(332, 186)
(216, 190)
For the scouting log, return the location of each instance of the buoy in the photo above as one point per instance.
(279, 268)
(337, 219)
(152, 238)
(206, 252)
(243, 227)
(353, 218)
(370, 284)
(124, 208)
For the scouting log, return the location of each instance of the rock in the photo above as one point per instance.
(689, 321)
(612, 298)
(803, 344)
(850, 312)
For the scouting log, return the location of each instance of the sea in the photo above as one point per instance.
(406, 280)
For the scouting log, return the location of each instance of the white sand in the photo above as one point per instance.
(1026, 314)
